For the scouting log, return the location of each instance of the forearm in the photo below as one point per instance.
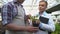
(15, 27)
(47, 27)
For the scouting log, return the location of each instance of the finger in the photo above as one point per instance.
(36, 28)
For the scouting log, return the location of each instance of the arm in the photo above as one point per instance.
(15, 27)
(49, 27)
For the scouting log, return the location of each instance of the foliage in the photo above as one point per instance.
(57, 31)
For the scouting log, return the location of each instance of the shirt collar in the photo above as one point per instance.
(19, 4)
(44, 13)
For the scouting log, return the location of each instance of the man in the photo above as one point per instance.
(45, 28)
(13, 18)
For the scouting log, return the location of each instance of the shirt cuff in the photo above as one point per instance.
(40, 25)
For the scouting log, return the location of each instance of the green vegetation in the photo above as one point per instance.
(57, 31)
(34, 18)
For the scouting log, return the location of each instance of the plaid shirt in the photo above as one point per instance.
(9, 11)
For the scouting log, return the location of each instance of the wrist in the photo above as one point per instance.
(25, 28)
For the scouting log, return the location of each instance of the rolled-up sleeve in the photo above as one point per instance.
(6, 15)
(49, 27)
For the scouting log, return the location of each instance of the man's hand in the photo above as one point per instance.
(27, 17)
(32, 29)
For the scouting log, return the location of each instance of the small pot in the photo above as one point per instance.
(36, 23)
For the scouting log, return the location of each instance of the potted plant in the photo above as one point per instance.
(35, 20)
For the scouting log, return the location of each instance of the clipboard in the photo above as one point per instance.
(43, 19)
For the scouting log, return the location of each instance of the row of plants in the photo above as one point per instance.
(57, 29)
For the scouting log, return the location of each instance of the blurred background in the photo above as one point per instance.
(31, 7)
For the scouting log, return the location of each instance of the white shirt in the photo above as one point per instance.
(48, 27)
